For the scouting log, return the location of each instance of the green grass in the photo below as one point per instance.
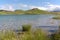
(10, 35)
(17, 12)
(27, 34)
(36, 34)
(57, 17)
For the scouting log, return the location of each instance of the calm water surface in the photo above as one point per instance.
(15, 21)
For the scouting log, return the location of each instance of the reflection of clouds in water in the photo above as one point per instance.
(58, 22)
(47, 21)
(52, 22)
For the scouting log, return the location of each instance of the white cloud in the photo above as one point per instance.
(51, 7)
(13, 7)
(41, 8)
(23, 5)
(7, 7)
(10, 8)
(31, 6)
(48, 7)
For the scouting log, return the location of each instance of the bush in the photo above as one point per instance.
(26, 27)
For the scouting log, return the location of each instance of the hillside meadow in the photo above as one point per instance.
(34, 11)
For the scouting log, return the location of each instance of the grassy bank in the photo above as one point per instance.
(28, 34)
(11, 35)
(57, 17)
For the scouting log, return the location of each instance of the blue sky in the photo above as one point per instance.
(18, 4)
(57, 2)
(29, 4)
(50, 5)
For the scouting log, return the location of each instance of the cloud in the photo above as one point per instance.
(41, 8)
(23, 5)
(51, 7)
(7, 7)
(31, 6)
(12, 7)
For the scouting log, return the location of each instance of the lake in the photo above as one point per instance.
(40, 21)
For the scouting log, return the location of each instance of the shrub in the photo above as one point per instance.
(26, 27)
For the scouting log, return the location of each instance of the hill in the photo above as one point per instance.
(35, 11)
(17, 12)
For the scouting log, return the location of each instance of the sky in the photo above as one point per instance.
(12, 5)
(50, 5)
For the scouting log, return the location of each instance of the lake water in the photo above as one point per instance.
(15, 21)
